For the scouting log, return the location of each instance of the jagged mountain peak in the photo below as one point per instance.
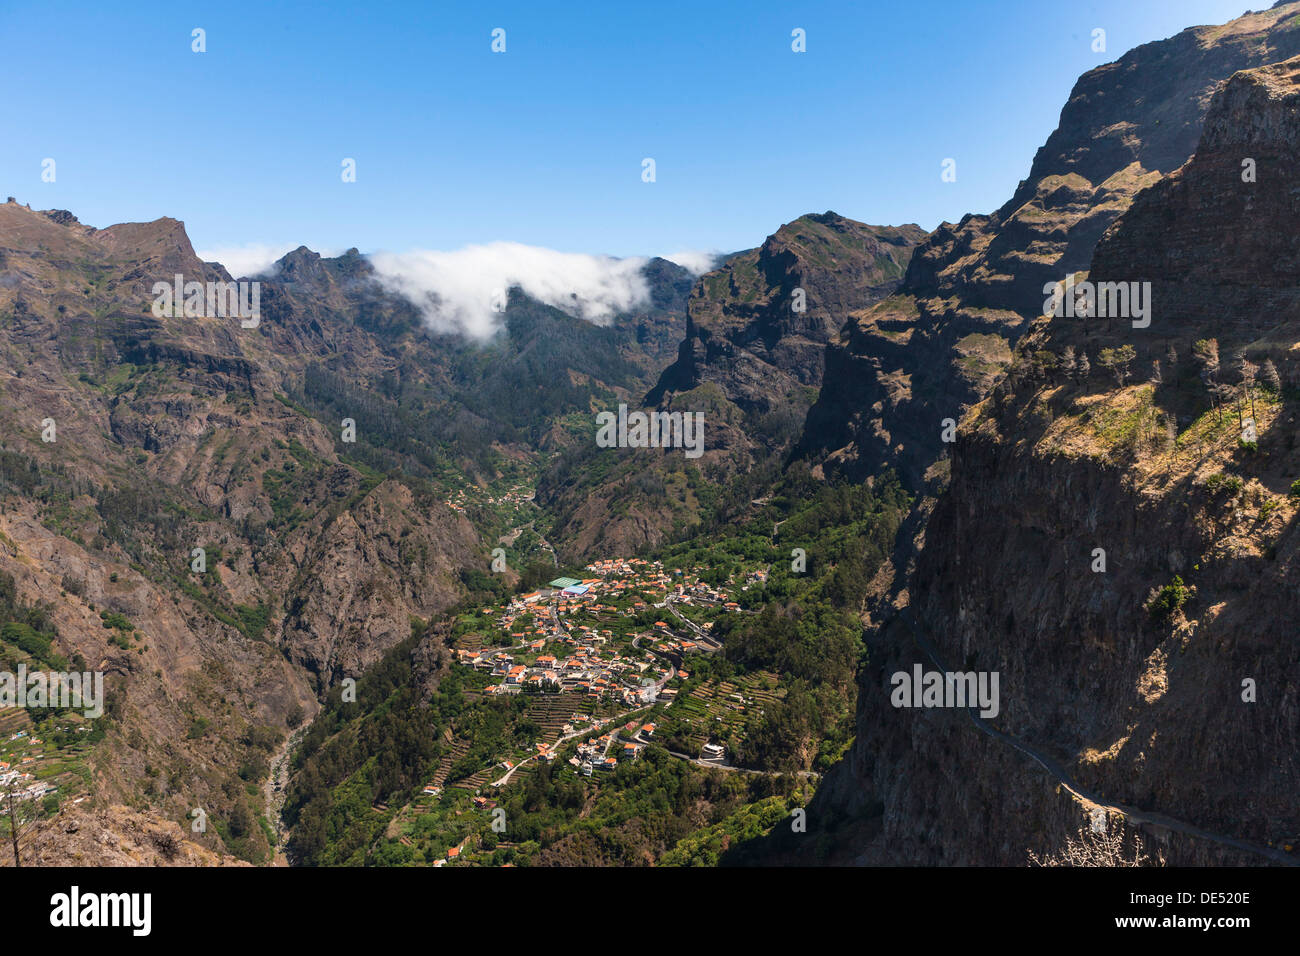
(972, 289)
(1147, 106)
(758, 323)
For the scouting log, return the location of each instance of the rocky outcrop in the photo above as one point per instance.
(758, 325)
(1115, 549)
(112, 836)
(1216, 239)
(972, 289)
(360, 579)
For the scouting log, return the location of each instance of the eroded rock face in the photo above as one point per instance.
(902, 366)
(1217, 238)
(361, 580)
(743, 331)
(174, 433)
(112, 836)
(1156, 712)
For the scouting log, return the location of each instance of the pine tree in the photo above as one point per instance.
(1068, 362)
(1272, 381)
(1247, 372)
(1207, 355)
(1117, 361)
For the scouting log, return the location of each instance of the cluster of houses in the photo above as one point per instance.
(606, 751)
(584, 669)
(558, 641)
(578, 659)
(461, 499)
(617, 577)
(23, 783)
(580, 662)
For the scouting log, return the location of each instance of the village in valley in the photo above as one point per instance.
(601, 667)
(578, 635)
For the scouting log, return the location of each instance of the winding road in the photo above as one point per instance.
(1134, 814)
(707, 644)
(586, 731)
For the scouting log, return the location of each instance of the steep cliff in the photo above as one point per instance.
(1158, 675)
(757, 326)
(936, 347)
(751, 362)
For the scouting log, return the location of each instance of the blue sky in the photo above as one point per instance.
(543, 144)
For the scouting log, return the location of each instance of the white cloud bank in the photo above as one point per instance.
(695, 261)
(457, 290)
(461, 291)
(250, 259)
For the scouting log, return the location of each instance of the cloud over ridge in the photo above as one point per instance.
(457, 290)
(249, 259)
(695, 261)
(460, 291)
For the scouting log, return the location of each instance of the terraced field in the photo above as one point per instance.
(12, 720)
(718, 709)
(459, 748)
(550, 712)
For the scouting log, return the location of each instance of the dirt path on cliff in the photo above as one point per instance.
(1133, 814)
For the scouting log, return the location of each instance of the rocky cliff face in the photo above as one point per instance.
(113, 836)
(175, 433)
(1216, 238)
(928, 353)
(1162, 681)
(752, 333)
(751, 362)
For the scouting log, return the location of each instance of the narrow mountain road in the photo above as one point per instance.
(1062, 777)
(559, 625)
(587, 731)
(707, 643)
(717, 765)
